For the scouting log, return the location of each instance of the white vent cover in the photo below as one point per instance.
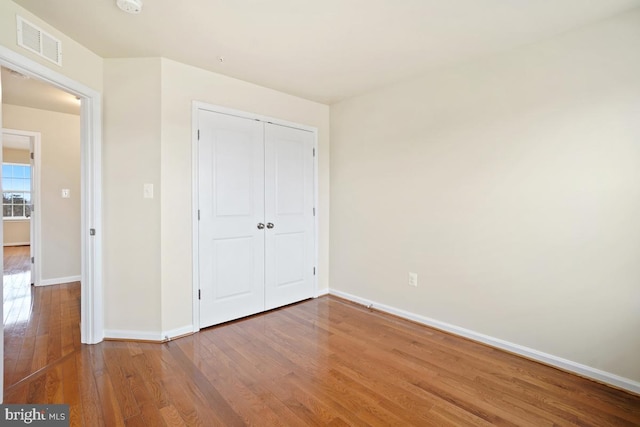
(32, 38)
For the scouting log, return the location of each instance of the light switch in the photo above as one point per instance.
(148, 191)
(66, 193)
(413, 279)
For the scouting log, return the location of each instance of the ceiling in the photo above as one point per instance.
(24, 91)
(17, 142)
(320, 50)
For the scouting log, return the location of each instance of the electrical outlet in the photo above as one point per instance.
(413, 279)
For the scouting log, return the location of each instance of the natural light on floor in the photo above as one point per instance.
(17, 296)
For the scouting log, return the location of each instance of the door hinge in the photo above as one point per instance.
(92, 232)
(199, 294)
(314, 152)
(314, 211)
(33, 260)
(198, 214)
(314, 271)
(32, 157)
(198, 134)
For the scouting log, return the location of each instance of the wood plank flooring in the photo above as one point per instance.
(319, 362)
(41, 324)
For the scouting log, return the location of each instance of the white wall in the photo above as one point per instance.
(60, 168)
(131, 158)
(511, 185)
(182, 84)
(16, 232)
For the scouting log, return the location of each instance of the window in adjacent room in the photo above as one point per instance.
(16, 191)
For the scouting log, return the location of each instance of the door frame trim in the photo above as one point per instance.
(196, 107)
(91, 301)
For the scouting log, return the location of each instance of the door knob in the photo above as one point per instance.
(260, 226)
(269, 225)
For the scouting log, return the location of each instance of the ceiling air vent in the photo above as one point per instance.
(32, 38)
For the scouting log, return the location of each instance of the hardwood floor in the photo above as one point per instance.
(319, 362)
(40, 324)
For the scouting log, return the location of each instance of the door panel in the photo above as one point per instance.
(234, 181)
(289, 176)
(290, 263)
(231, 203)
(234, 261)
(289, 207)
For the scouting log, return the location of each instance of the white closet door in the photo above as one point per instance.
(289, 215)
(231, 203)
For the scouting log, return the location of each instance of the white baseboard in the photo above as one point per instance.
(115, 334)
(59, 280)
(17, 244)
(549, 359)
(133, 335)
(178, 332)
(322, 292)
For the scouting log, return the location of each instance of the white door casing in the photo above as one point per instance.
(1, 270)
(254, 214)
(33, 217)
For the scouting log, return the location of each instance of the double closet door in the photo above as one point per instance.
(256, 208)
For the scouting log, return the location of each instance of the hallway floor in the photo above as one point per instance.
(41, 325)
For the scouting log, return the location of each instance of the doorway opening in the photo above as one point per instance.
(90, 325)
(21, 193)
(90, 193)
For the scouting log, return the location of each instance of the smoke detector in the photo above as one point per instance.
(130, 6)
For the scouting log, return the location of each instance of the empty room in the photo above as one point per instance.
(415, 212)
